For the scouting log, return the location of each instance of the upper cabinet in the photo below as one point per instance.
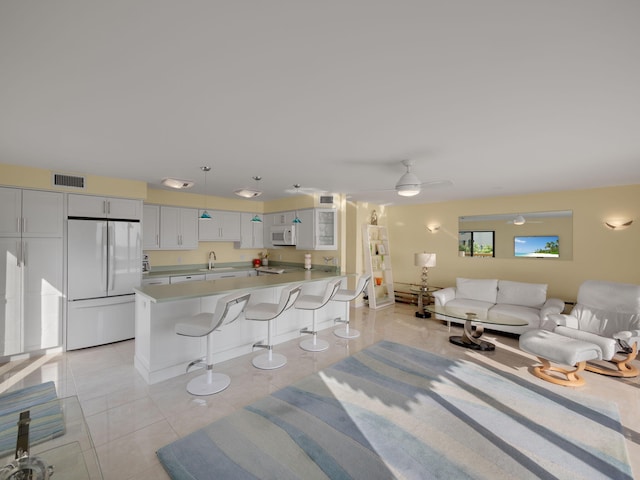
(282, 218)
(104, 207)
(318, 229)
(178, 228)
(30, 213)
(151, 227)
(251, 232)
(221, 227)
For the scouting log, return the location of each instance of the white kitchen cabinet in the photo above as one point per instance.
(92, 206)
(10, 212)
(186, 278)
(267, 221)
(151, 227)
(231, 274)
(178, 228)
(251, 233)
(30, 213)
(31, 265)
(42, 293)
(155, 281)
(317, 230)
(221, 227)
(282, 218)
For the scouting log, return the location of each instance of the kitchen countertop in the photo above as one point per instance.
(202, 270)
(203, 288)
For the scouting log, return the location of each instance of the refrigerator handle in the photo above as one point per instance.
(19, 252)
(111, 256)
(24, 253)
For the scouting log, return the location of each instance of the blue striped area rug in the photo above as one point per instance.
(392, 411)
(47, 420)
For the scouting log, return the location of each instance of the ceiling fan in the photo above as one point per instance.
(410, 185)
(521, 220)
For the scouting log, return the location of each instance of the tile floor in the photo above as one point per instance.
(129, 420)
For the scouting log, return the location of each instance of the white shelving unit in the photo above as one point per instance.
(377, 259)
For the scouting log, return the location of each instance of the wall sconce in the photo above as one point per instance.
(433, 228)
(615, 224)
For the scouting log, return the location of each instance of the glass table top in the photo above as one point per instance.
(70, 451)
(465, 313)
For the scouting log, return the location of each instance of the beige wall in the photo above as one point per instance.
(26, 177)
(598, 252)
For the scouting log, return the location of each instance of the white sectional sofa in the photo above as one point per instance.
(492, 299)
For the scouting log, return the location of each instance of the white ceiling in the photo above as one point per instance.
(499, 97)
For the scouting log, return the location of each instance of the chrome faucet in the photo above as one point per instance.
(211, 260)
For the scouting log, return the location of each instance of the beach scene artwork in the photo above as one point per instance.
(537, 246)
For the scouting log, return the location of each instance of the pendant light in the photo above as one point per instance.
(205, 214)
(256, 219)
(296, 220)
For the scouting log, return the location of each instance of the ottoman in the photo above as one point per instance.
(552, 347)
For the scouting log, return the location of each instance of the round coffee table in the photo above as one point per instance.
(474, 325)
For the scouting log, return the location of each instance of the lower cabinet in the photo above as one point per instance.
(155, 281)
(31, 286)
(186, 278)
(237, 274)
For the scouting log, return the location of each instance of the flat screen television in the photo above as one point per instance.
(538, 246)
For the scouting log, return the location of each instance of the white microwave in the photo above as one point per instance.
(283, 235)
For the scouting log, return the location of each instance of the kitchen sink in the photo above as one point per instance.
(217, 269)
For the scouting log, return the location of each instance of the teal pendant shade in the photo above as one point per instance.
(205, 214)
(296, 220)
(256, 219)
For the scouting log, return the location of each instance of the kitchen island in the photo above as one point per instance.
(161, 354)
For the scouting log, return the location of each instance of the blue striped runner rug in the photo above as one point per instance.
(396, 412)
(47, 420)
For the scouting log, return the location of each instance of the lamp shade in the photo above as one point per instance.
(425, 259)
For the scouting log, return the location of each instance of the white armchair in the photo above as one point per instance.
(606, 314)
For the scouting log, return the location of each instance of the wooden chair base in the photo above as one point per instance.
(571, 377)
(623, 365)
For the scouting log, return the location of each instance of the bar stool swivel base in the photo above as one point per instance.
(346, 332)
(209, 383)
(313, 344)
(269, 360)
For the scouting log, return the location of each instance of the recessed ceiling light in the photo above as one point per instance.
(249, 192)
(176, 183)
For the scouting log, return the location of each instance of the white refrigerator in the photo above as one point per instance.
(104, 265)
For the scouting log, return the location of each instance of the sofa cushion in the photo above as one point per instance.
(520, 293)
(484, 290)
(530, 315)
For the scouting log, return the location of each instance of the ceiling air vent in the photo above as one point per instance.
(73, 181)
(326, 199)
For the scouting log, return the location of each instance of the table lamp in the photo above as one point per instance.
(424, 260)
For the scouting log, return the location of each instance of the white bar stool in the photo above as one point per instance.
(315, 302)
(203, 324)
(267, 312)
(347, 296)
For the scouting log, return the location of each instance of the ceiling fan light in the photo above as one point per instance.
(408, 185)
(519, 220)
(247, 193)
